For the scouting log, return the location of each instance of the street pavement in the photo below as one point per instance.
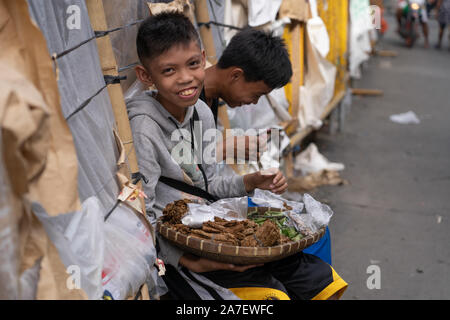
(393, 218)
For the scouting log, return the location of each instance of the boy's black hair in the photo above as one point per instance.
(261, 55)
(160, 32)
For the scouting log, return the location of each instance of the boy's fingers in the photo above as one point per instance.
(280, 189)
(277, 178)
(281, 182)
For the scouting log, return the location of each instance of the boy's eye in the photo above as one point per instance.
(168, 70)
(194, 63)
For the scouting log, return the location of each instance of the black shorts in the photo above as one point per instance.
(298, 277)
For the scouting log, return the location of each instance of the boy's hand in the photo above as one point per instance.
(199, 264)
(271, 179)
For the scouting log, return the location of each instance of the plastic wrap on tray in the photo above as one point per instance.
(231, 221)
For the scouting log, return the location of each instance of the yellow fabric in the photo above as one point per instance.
(335, 16)
(288, 86)
(255, 293)
(338, 286)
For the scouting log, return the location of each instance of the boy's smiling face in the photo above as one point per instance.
(177, 74)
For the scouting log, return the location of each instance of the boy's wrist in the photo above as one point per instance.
(249, 182)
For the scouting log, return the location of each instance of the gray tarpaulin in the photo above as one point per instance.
(81, 237)
(80, 78)
(9, 239)
(120, 13)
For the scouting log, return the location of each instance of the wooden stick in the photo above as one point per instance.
(298, 137)
(367, 92)
(386, 53)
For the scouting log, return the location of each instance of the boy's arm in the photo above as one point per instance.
(148, 162)
(149, 167)
(234, 185)
(221, 186)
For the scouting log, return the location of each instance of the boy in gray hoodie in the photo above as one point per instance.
(169, 128)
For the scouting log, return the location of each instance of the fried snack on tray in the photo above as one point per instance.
(175, 211)
(246, 233)
(268, 234)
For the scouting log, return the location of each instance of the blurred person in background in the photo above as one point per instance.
(443, 7)
(402, 7)
(431, 4)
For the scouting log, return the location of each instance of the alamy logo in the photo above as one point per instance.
(374, 280)
(74, 279)
(73, 21)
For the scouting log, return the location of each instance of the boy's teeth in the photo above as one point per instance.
(187, 92)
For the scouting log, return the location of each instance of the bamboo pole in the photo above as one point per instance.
(109, 67)
(202, 15)
(297, 35)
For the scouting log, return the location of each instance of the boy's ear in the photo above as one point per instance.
(236, 74)
(143, 75)
(203, 58)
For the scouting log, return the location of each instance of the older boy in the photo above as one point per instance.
(252, 65)
(169, 50)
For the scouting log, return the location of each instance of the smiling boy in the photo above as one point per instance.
(172, 60)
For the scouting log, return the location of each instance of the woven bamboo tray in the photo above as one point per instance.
(235, 254)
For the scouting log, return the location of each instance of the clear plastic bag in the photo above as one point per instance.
(319, 212)
(307, 216)
(264, 198)
(116, 256)
(316, 216)
(229, 209)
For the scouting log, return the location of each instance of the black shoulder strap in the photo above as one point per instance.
(196, 118)
(184, 187)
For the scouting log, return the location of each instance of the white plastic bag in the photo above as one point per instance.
(130, 254)
(310, 160)
(79, 238)
(405, 118)
(117, 255)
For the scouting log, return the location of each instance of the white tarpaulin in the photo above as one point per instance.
(321, 74)
(359, 35)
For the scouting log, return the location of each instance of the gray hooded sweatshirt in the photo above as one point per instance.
(157, 137)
